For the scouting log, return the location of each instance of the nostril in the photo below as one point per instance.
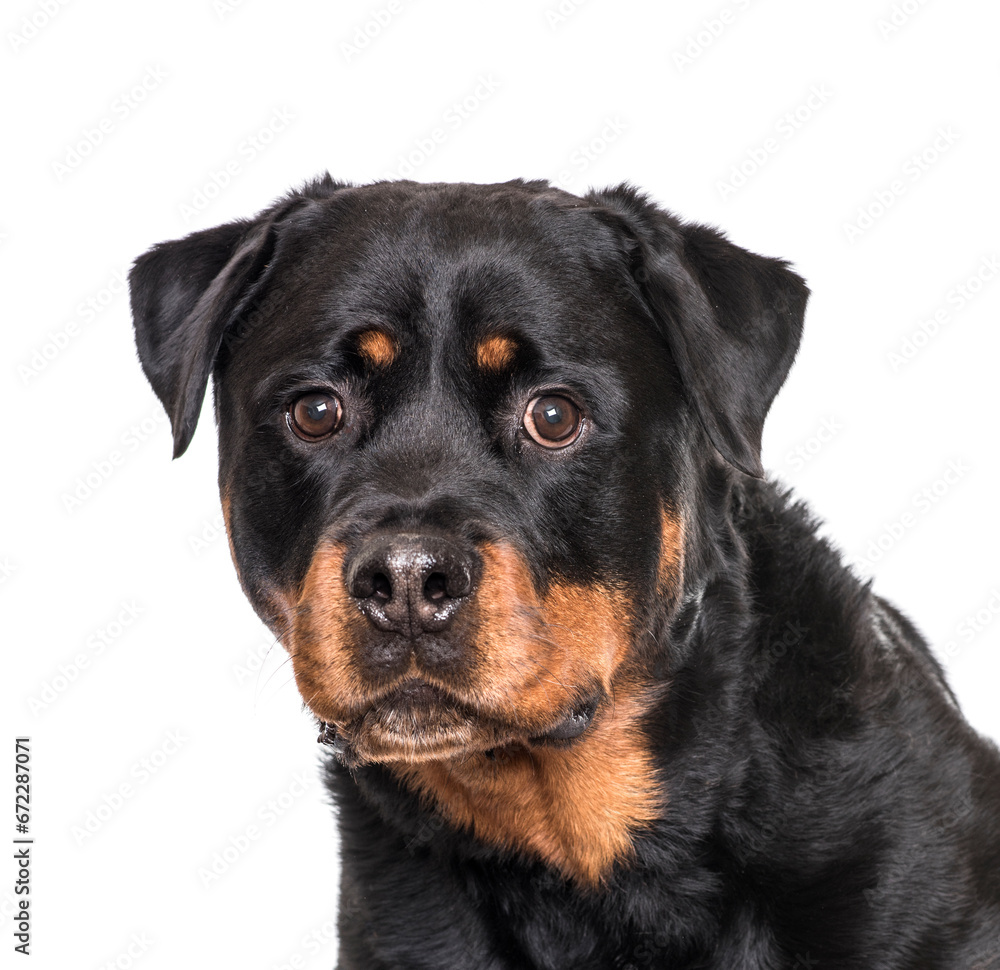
(435, 587)
(381, 587)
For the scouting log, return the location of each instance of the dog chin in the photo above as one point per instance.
(381, 745)
(414, 723)
(419, 722)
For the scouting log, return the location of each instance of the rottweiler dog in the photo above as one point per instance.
(595, 693)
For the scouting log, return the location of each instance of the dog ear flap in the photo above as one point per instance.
(732, 320)
(184, 293)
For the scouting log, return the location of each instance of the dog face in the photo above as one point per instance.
(461, 430)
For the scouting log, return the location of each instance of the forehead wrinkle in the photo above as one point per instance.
(448, 313)
(481, 291)
(385, 288)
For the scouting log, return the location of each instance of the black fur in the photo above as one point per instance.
(827, 805)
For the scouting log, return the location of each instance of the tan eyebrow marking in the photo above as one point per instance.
(496, 352)
(378, 348)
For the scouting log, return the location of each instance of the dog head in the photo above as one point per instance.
(460, 432)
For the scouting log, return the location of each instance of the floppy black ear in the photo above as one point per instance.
(732, 319)
(187, 292)
(184, 293)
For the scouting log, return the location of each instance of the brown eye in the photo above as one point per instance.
(315, 415)
(553, 421)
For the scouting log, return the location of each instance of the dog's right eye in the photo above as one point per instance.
(314, 416)
(553, 421)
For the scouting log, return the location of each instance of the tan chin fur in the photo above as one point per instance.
(576, 808)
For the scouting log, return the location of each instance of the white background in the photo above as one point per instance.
(669, 96)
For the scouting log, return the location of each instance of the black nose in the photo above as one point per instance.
(409, 583)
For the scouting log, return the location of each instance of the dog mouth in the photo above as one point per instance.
(419, 721)
(414, 721)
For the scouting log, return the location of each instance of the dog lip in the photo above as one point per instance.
(419, 720)
(416, 693)
(423, 703)
(572, 725)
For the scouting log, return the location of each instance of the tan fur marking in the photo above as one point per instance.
(496, 352)
(535, 650)
(670, 577)
(576, 808)
(326, 625)
(378, 348)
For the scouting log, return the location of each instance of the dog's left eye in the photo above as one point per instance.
(315, 415)
(553, 421)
